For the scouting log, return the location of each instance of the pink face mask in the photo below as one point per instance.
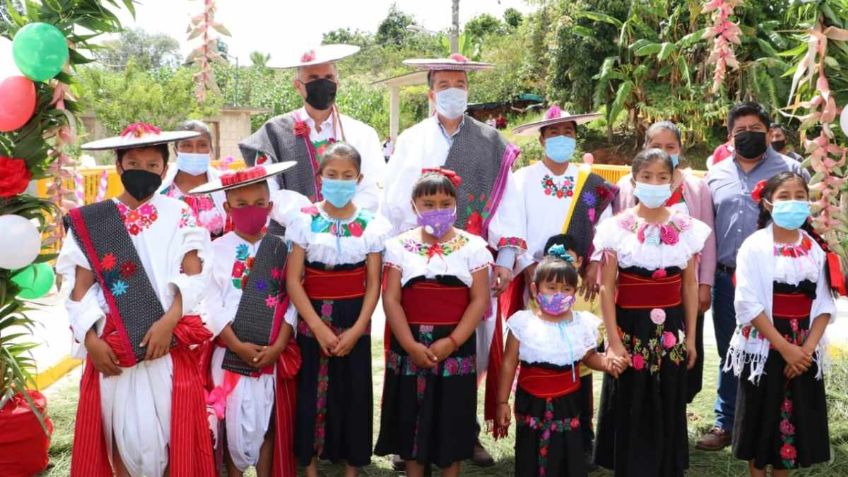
(250, 219)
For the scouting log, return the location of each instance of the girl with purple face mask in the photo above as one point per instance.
(551, 342)
(436, 292)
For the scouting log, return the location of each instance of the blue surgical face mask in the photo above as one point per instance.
(338, 191)
(790, 214)
(675, 160)
(652, 196)
(193, 164)
(560, 148)
(452, 102)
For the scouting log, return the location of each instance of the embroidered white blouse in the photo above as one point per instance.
(560, 344)
(459, 257)
(638, 244)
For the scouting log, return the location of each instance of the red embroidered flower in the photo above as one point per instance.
(746, 331)
(277, 273)
(134, 229)
(14, 176)
(575, 423)
(788, 452)
(603, 192)
(786, 427)
(638, 362)
(301, 129)
(250, 261)
(238, 269)
(786, 406)
(355, 229)
(128, 269)
(668, 339)
(108, 262)
(669, 235)
(543, 451)
(757, 193)
(474, 224)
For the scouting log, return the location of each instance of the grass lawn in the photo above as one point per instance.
(62, 399)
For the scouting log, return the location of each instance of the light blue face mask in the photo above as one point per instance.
(338, 192)
(193, 164)
(675, 160)
(560, 148)
(652, 196)
(790, 214)
(452, 102)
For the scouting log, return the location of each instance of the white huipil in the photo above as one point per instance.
(249, 405)
(136, 405)
(426, 145)
(544, 213)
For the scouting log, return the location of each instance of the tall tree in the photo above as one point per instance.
(394, 29)
(259, 59)
(512, 17)
(148, 51)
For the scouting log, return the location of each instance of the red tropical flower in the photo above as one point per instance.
(128, 269)
(108, 262)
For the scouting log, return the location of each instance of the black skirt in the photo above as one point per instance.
(780, 422)
(548, 437)
(429, 415)
(695, 376)
(642, 415)
(335, 398)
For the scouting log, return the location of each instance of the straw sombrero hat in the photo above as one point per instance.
(138, 135)
(454, 62)
(554, 115)
(318, 56)
(244, 177)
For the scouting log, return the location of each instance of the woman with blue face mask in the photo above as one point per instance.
(193, 169)
(691, 196)
(333, 280)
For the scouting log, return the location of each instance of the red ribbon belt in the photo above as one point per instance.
(334, 284)
(635, 291)
(547, 383)
(790, 306)
(429, 303)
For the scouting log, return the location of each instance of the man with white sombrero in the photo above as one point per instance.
(254, 365)
(562, 202)
(483, 159)
(303, 134)
(134, 271)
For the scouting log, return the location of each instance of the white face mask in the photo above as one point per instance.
(652, 196)
(452, 102)
(193, 164)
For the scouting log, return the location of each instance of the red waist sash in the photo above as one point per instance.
(789, 306)
(548, 383)
(430, 303)
(334, 284)
(635, 291)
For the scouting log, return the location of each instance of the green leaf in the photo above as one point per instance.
(665, 51)
(621, 97)
(600, 17)
(649, 49)
(691, 38)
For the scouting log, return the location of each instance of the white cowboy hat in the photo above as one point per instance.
(244, 177)
(138, 135)
(454, 62)
(554, 115)
(318, 56)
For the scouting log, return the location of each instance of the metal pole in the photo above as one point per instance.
(236, 99)
(454, 33)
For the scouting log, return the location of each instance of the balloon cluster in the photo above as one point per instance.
(38, 53)
(20, 244)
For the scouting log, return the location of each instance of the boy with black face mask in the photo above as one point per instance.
(731, 183)
(134, 270)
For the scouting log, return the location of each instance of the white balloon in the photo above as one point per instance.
(20, 242)
(7, 62)
(843, 121)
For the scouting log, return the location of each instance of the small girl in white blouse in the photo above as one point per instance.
(550, 341)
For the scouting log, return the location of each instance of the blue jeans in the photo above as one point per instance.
(724, 322)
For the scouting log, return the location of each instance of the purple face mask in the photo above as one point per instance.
(437, 222)
(555, 304)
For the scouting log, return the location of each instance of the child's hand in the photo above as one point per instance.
(422, 356)
(441, 349)
(796, 359)
(691, 353)
(247, 352)
(504, 414)
(266, 357)
(327, 340)
(157, 341)
(347, 340)
(615, 366)
(102, 355)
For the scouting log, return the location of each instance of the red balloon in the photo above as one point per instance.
(17, 102)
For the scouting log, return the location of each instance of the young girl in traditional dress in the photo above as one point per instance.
(333, 279)
(549, 341)
(783, 305)
(437, 290)
(649, 299)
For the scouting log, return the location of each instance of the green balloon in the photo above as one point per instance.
(40, 51)
(35, 281)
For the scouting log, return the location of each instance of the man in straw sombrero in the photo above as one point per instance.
(302, 135)
(483, 159)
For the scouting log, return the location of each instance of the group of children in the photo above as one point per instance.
(288, 376)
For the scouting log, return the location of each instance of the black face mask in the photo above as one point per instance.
(321, 93)
(750, 144)
(778, 145)
(140, 184)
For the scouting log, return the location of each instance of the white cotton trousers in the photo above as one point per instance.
(136, 412)
(248, 413)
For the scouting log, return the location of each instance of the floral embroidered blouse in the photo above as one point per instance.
(206, 211)
(458, 257)
(559, 344)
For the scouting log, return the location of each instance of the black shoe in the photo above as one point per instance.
(481, 457)
(398, 464)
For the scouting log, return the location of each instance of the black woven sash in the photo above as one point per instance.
(581, 228)
(476, 155)
(103, 238)
(254, 321)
